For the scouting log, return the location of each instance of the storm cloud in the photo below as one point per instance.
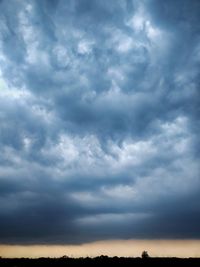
(99, 120)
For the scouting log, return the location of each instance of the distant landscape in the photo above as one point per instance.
(99, 261)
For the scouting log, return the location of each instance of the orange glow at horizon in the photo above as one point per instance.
(160, 248)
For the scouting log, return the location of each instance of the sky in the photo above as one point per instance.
(99, 122)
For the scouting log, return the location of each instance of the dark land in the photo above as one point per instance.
(99, 261)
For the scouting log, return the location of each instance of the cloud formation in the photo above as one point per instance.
(99, 120)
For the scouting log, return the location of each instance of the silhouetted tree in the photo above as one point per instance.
(64, 257)
(145, 254)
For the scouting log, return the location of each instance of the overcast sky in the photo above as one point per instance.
(99, 120)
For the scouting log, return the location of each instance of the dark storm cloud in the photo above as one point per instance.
(99, 119)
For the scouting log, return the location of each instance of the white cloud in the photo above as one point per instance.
(85, 46)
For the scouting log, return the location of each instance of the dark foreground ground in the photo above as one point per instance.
(99, 261)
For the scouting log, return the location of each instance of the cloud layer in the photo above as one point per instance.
(99, 120)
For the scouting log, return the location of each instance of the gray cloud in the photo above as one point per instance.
(99, 115)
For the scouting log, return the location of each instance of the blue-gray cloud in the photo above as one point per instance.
(99, 120)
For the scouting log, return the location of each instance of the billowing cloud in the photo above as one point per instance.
(99, 120)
